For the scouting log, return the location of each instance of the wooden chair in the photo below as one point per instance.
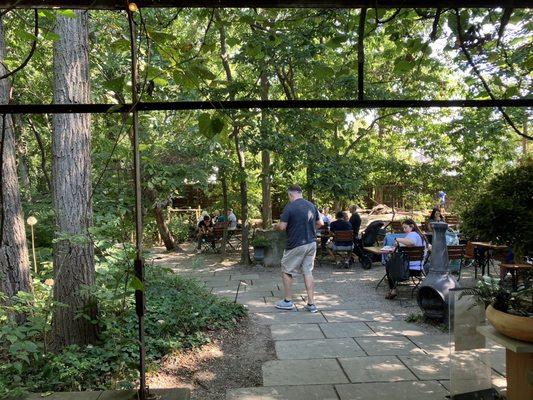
(452, 220)
(457, 253)
(346, 251)
(396, 226)
(415, 253)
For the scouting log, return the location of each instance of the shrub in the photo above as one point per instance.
(180, 314)
(503, 212)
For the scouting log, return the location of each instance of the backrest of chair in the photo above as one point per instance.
(413, 253)
(469, 250)
(396, 226)
(342, 236)
(456, 252)
(452, 219)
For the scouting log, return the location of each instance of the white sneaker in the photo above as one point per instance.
(285, 305)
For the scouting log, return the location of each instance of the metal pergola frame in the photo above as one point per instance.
(138, 106)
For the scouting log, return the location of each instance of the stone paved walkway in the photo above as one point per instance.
(357, 347)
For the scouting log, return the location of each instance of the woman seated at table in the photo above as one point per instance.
(436, 216)
(413, 238)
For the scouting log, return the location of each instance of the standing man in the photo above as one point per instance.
(299, 219)
(442, 199)
(355, 220)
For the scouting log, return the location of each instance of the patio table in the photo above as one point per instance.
(515, 269)
(484, 259)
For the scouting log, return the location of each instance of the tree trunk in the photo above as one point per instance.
(14, 262)
(71, 188)
(22, 152)
(225, 206)
(266, 209)
(245, 253)
(162, 227)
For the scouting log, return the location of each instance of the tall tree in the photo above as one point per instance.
(71, 170)
(14, 263)
(245, 254)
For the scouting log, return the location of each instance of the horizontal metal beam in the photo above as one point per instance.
(254, 104)
(120, 4)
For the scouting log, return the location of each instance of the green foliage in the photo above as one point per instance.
(260, 241)
(180, 314)
(179, 226)
(503, 211)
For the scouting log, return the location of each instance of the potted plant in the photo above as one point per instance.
(511, 313)
(260, 243)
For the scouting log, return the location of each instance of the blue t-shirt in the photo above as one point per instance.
(341, 225)
(300, 216)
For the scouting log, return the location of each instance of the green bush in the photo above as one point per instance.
(180, 314)
(503, 212)
(179, 226)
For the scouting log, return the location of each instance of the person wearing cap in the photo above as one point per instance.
(300, 219)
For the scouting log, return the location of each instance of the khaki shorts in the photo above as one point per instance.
(300, 259)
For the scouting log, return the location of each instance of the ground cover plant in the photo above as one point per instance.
(180, 315)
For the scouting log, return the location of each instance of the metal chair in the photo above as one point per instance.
(415, 253)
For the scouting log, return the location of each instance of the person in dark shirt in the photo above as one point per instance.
(340, 224)
(355, 220)
(300, 219)
(205, 230)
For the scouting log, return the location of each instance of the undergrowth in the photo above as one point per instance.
(180, 314)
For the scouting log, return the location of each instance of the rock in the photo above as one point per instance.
(274, 252)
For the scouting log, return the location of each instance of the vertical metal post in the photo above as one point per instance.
(139, 263)
(361, 55)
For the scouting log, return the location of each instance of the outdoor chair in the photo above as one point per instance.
(452, 220)
(395, 226)
(456, 253)
(345, 252)
(411, 253)
(415, 253)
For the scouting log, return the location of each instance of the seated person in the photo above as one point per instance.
(325, 218)
(340, 224)
(436, 216)
(222, 218)
(232, 218)
(412, 238)
(205, 230)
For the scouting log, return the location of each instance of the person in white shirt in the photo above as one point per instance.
(232, 218)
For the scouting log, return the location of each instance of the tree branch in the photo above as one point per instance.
(483, 81)
(42, 151)
(32, 50)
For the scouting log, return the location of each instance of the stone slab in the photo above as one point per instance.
(317, 348)
(426, 367)
(387, 345)
(289, 317)
(429, 390)
(296, 331)
(433, 344)
(402, 328)
(302, 372)
(346, 329)
(376, 369)
(162, 394)
(244, 277)
(315, 392)
(361, 315)
(64, 396)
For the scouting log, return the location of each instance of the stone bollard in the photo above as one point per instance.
(274, 252)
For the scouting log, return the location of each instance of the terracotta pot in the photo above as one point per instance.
(520, 328)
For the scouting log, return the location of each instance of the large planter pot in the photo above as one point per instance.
(514, 326)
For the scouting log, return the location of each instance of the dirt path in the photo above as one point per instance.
(232, 360)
